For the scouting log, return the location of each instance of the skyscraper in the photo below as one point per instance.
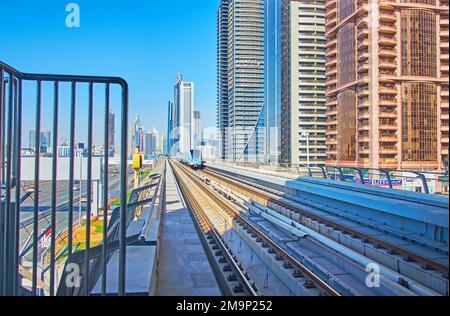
(32, 139)
(222, 77)
(149, 143)
(387, 78)
(161, 144)
(244, 82)
(137, 136)
(296, 80)
(170, 136)
(45, 140)
(111, 134)
(272, 79)
(154, 141)
(183, 117)
(198, 133)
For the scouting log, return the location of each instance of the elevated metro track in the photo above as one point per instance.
(417, 257)
(236, 215)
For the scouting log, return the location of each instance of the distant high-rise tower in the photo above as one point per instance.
(272, 79)
(170, 136)
(153, 142)
(222, 76)
(111, 134)
(183, 117)
(198, 133)
(296, 80)
(137, 136)
(45, 140)
(387, 78)
(242, 80)
(32, 139)
(149, 143)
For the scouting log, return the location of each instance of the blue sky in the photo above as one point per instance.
(147, 42)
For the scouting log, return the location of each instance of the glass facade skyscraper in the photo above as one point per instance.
(241, 35)
(183, 117)
(387, 69)
(222, 77)
(170, 136)
(272, 85)
(45, 140)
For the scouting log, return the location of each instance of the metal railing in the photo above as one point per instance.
(11, 117)
(138, 198)
(427, 182)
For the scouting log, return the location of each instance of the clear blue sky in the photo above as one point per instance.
(147, 42)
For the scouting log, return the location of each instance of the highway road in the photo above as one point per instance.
(62, 200)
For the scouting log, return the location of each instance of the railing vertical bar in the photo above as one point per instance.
(37, 146)
(123, 192)
(16, 226)
(2, 124)
(54, 187)
(89, 186)
(71, 173)
(2, 179)
(105, 191)
(9, 166)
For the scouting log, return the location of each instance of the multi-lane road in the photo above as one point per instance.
(62, 202)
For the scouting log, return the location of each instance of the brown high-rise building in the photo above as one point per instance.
(387, 83)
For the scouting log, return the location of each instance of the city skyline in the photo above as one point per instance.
(234, 148)
(340, 89)
(144, 29)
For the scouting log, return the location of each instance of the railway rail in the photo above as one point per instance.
(234, 281)
(230, 209)
(270, 197)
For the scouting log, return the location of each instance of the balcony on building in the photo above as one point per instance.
(363, 103)
(363, 55)
(387, 52)
(362, 43)
(361, 22)
(363, 67)
(387, 15)
(386, 138)
(387, 63)
(389, 114)
(387, 28)
(331, 103)
(387, 100)
(331, 52)
(363, 114)
(388, 149)
(331, 13)
(362, 33)
(363, 150)
(362, 92)
(387, 89)
(387, 40)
